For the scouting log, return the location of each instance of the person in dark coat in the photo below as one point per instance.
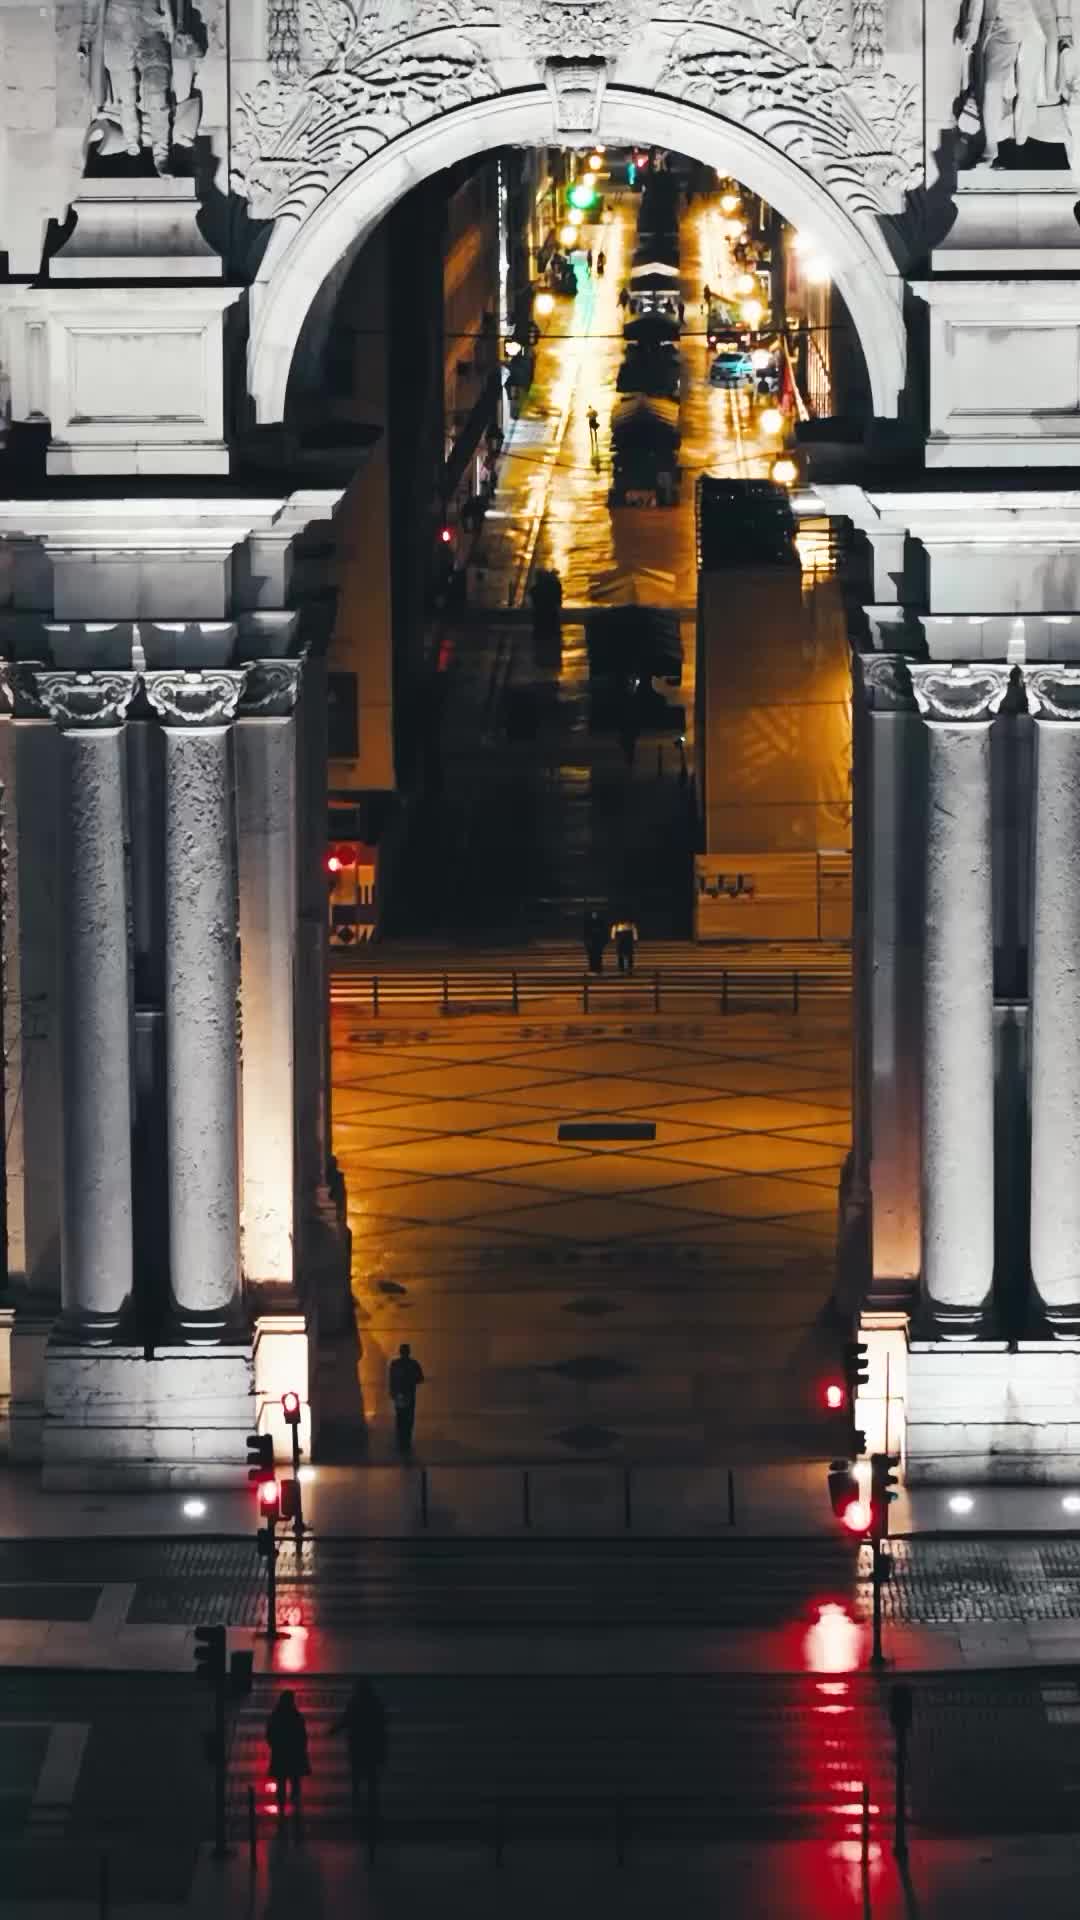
(364, 1725)
(286, 1736)
(596, 936)
(406, 1374)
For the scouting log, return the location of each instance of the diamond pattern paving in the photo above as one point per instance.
(475, 1232)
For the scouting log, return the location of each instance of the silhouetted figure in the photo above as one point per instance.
(624, 933)
(601, 263)
(364, 1725)
(706, 296)
(624, 298)
(286, 1736)
(596, 937)
(588, 260)
(593, 419)
(406, 1374)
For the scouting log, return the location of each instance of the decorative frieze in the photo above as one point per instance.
(886, 682)
(950, 695)
(83, 700)
(184, 699)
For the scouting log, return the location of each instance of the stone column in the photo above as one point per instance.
(96, 1260)
(888, 961)
(201, 980)
(958, 704)
(266, 800)
(1054, 698)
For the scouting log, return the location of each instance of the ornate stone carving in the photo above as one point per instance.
(576, 88)
(83, 700)
(272, 687)
(207, 699)
(577, 29)
(806, 75)
(1053, 692)
(947, 695)
(887, 682)
(362, 78)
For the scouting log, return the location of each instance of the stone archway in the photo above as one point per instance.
(305, 251)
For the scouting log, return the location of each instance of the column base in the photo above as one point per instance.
(957, 1326)
(990, 1415)
(1063, 1322)
(202, 1329)
(80, 1329)
(115, 1418)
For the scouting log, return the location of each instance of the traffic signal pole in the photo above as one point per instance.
(877, 1657)
(221, 1850)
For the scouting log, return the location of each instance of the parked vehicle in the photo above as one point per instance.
(733, 368)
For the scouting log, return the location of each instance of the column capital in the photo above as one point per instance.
(190, 699)
(82, 702)
(1053, 693)
(886, 682)
(958, 695)
(271, 688)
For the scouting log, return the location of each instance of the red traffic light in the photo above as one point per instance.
(334, 863)
(834, 1396)
(856, 1517)
(290, 1407)
(269, 1496)
(445, 535)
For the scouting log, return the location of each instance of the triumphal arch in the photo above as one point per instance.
(183, 184)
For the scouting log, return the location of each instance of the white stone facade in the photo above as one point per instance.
(172, 234)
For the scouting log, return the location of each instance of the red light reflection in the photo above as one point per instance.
(832, 1643)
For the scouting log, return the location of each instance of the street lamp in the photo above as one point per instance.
(745, 283)
(568, 236)
(785, 473)
(729, 203)
(772, 421)
(543, 305)
(753, 313)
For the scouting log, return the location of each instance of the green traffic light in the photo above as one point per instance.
(581, 197)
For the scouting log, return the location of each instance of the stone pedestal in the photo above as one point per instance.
(1020, 221)
(115, 1419)
(958, 704)
(985, 1415)
(136, 230)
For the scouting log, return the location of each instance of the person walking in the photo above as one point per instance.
(593, 419)
(624, 298)
(406, 1374)
(596, 938)
(286, 1737)
(364, 1725)
(588, 260)
(601, 263)
(624, 933)
(706, 296)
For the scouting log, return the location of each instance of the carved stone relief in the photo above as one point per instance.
(810, 76)
(360, 80)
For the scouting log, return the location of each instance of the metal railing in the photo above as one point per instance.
(516, 990)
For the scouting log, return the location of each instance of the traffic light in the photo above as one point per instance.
(883, 1483)
(846, 1498)
(260, 1451)
(241, 1672)
(856, 1367)
(834, 1397)
(290, 1407)
(210, 1654)
(581, 196)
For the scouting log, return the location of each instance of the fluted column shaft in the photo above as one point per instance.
(96, 1248)
(1054, 697)
(201, 982)
(958, 705)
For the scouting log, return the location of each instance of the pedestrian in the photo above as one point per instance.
(624, 933)
(406, 1374)
(624, 298)
(706, 296)
(593, 419)
(596, 938)
(364, 1725)
(588, 260)
(682, 311)
(601, 263)
(286, 1737)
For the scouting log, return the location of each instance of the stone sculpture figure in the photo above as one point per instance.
(141, 76)
(1018, 56)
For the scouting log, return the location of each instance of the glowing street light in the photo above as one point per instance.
(590, 178)
(745, 283)
(760, 359)
(544, 304)
(772, 421)
(512, 349)
(576, 217)
(568, 236)
(753, 313)
(786, 473)
(729, 203)
(595, 162)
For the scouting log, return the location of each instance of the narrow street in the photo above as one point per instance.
(537, 814)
